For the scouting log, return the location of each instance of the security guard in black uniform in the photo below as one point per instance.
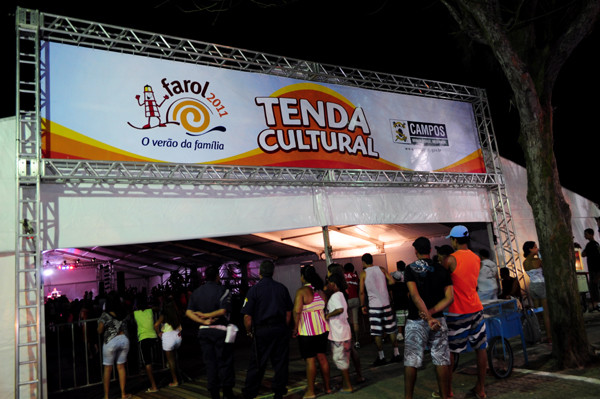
(267, 313)
(210, 305)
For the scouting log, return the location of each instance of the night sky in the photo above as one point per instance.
(416, 40)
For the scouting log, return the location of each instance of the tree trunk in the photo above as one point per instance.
(532, 89)
(552, 217)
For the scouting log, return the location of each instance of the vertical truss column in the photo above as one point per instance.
(507, 242)
(28, 289)
(508, 247)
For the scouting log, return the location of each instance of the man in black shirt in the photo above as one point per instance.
(267, 313)
(592, 253)
(210, 305)
(430, 287)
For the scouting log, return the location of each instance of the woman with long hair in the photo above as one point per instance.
(168, 328)
(537, 283)
(310, 327)
(113, 324)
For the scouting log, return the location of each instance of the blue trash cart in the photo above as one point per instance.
(502, 322)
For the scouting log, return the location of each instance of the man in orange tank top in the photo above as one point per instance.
(465, 314)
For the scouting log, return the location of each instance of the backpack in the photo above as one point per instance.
(531, 327)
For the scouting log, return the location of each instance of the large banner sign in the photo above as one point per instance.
(110, 106)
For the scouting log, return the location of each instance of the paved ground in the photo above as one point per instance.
(535, 380)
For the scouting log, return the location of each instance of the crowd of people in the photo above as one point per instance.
(433, 303)
(112, 322)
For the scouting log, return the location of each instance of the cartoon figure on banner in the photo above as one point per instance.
(150, 107)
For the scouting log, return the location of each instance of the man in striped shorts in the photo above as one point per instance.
(465, 314)
(373, 285)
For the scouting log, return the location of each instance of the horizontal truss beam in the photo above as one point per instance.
(78, 32)
(61, 171)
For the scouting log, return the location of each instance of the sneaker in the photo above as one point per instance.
(400, 337)
(396, 359)
(357, 345)
(379, 362)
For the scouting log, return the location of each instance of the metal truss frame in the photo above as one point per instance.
(78, 32)
(28, 286)
(35, 172)
(81, 171)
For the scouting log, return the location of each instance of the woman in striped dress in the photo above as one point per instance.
(311, 328)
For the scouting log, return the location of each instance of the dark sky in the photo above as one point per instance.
(415, 39)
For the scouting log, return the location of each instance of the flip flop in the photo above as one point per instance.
(309, 397)
(150, 390)
(346, 391)
(172, 384)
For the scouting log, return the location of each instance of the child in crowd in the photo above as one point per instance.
(340, 333)
(168, 328)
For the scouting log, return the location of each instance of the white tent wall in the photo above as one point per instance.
(399, 205)
(7, 255)
(108, 215)
(583, 211)
(122, 214)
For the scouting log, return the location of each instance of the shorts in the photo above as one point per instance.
(401, 317)
(353, 307)
(340, 353)
(538, 290)
(171, 340)
(418, 336)
(466, 328)
(311, 345)
(146, 350)
(117, 348)
(382, 321)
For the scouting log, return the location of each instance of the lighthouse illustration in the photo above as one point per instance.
(151, 107)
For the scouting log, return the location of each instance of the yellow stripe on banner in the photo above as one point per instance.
(55, 129)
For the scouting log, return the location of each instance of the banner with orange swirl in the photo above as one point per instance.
(110, 106)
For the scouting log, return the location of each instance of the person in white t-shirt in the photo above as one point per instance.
(487, 283)
(340, 334)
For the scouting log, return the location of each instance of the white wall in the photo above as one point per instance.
(7, 252)
(583, 211)
(127, 214)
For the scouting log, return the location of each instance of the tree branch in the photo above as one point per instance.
(580, 27)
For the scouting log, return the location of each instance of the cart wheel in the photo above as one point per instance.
(500, 357)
